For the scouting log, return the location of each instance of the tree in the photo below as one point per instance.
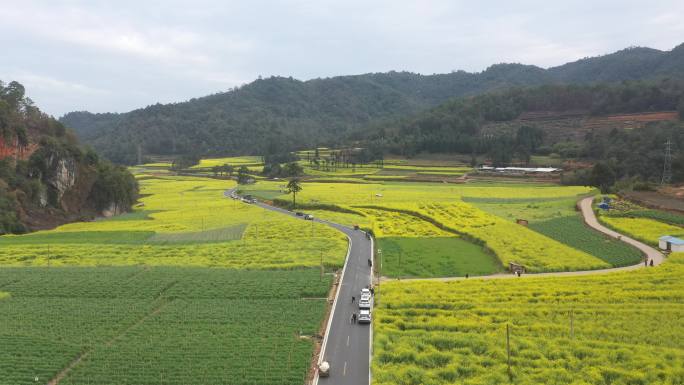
(293, 187)
(227, 169)
(501, 151)
(243, 176)
(527, 140)
(293, 169)
(602, 176)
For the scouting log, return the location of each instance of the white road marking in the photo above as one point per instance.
(347, 340)
(344, 371)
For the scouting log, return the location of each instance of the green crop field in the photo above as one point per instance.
(618, 328)
(137, 325)
(573, 232)
(434, 256)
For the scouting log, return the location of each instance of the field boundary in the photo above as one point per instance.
(465, 236)
(585, 205)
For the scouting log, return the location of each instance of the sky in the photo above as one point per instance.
(115, 56)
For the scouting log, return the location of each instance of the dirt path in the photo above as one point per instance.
(590, 219)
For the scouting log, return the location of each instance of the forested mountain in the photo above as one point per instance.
(281, 114)
(45, 177)
(512, 125)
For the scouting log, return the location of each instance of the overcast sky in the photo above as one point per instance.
(114, 56)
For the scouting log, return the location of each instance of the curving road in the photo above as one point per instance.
(590, 219)
(346, 346)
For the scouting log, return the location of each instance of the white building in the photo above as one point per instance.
(670, 243)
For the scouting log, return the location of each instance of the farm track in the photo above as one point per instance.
(585, 205)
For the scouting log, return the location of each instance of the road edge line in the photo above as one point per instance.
(370, 339)
(332, 312)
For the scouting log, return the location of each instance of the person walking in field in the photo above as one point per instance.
(651, 263)
(646, 262)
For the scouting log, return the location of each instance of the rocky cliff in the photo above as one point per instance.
(46, 178)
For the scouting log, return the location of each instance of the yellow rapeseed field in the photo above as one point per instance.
(182, 221)
(617, 328)
(407, 210)
(644, 229)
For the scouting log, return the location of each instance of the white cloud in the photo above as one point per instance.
(116, 56)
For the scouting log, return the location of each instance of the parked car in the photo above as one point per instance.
(365, 302)
(364, 316)
(299, 214)
(309, 217)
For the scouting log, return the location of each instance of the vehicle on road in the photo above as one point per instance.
(308, 217)
(364, 316)
(299, 214)
(249, 199)
(365, 302)
(365, 299)
(324, 369)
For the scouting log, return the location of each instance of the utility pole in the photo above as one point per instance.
(508, 348)
(667, 164)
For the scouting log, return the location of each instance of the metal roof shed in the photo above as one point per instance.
(671, 243)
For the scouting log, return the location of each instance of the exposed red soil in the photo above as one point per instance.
(12, 149)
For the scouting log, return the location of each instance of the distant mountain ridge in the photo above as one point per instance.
(282, 114)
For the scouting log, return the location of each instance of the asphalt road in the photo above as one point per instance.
(346, 346)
